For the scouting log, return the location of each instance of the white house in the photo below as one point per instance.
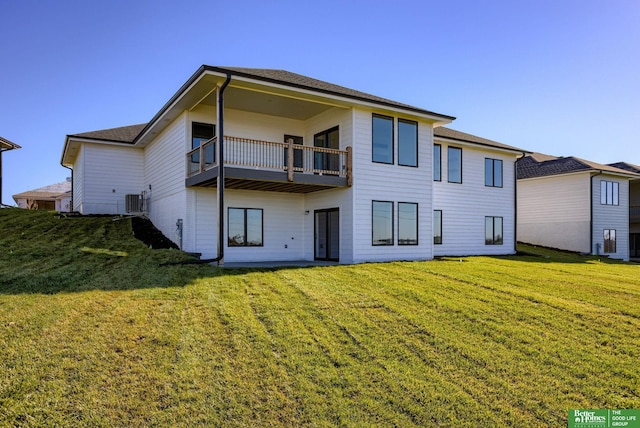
(574, 204)
(311, 170)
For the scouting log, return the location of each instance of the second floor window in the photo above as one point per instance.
(454, 165)
(382, 139)
(407, 143)
(609, 193)
(437, 162)
(200, 133)
(493, 172)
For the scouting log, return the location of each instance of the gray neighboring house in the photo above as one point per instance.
(5, 146)
(578, 205)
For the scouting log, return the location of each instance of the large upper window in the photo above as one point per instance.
(437, 227)
(382, 223)
(493, 172)
(437, 162)
(407, 223)
(609, 193)
(609, 241)
(382, 139)
(493, 230)
(245, 227)
(407, 143)
(328, 139)
(201, 132)
(454, 165)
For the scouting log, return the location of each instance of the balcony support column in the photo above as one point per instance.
(290, 160)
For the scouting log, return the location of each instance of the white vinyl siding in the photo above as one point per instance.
(554, 211)
(107, 173)
(611, 217)
(464, 206)
(382, 182)
(78, 181)
(165, 172)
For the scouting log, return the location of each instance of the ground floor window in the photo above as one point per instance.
(407, 223)
(609, 241)
(382, 223)
(245, 227)
(437, 227)
(493, 230)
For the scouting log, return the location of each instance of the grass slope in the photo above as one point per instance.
(93, 332)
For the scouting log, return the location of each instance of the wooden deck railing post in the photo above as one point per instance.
(201, 152)
(290, 160)
(349, 166)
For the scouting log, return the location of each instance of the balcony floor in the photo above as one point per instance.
(266, 181)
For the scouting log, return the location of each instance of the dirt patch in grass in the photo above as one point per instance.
(146, 232)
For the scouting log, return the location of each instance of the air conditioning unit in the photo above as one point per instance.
(134, 203)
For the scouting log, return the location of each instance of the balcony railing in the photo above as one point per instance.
(267, 155)
(634, 214)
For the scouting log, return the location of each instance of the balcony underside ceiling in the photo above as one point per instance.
(268, 103)
(266, 181)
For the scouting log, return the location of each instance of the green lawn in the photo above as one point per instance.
(93, 332)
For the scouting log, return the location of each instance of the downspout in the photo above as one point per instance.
(1, 151)
(591, 212)
(220, 192)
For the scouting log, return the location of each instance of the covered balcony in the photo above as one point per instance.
(270, 166)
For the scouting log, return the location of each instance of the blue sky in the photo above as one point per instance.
(556, 76)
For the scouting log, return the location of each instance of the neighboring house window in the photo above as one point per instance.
(437, 227)
(492, 172)
(407, 143)
(493, 230)
(454, 165)
(407, 223)
(609, 241)
(609, 193)
(200, 134)
(382, 223)
(437, 162)
(245, 227)
(382, 139)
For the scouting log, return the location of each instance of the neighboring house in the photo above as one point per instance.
(312, 170)
(574, 204)
(53, 197)
(5, 146)
(634, 209)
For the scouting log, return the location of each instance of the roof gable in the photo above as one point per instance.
(123, 134)
(452, 134)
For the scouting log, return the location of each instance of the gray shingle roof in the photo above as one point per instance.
(541, 165)
(626, 166)
(123, 134)
(452, 134)
(299, 81)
